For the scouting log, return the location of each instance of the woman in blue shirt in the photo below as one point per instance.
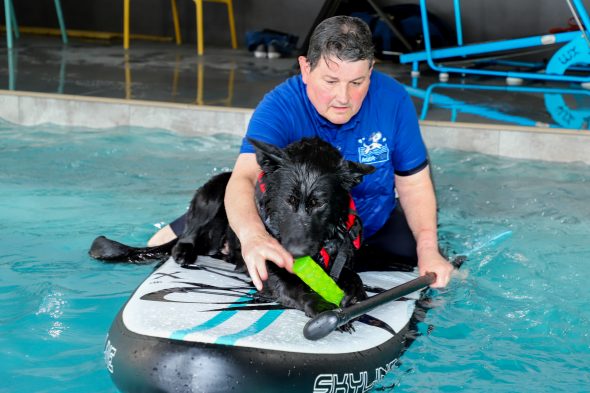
(370, 118)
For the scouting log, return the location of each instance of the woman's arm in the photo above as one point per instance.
(258, 245)
(416, 195)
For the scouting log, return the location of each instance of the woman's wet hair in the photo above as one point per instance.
(343, 37)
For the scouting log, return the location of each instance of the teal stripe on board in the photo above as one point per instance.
(258, 326)
(217, 320)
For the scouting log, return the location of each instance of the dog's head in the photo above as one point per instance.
(307, 186)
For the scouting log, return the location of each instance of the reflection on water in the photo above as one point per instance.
(167, 76)
(236, 79)
(567, 107)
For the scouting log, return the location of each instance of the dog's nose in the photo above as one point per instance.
(298, 240)
(297, 247)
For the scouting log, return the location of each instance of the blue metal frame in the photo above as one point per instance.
(458, 24)
(576, 52)
(8, 13)
(62, 23)
(12, 26)
(562, 114)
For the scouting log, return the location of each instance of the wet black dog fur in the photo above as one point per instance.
(306, 202)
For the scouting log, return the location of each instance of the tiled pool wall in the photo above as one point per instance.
(29, 109)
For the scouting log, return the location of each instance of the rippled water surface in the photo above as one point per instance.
(515, 319)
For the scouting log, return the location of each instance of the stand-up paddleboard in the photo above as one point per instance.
(202, 329)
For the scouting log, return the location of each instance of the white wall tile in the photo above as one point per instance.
(517, 142)
(9, 105)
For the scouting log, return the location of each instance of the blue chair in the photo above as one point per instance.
(12, 26)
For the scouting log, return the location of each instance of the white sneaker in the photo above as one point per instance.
(260, 51)
(272, 52)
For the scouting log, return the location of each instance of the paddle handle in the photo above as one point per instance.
(328, 321)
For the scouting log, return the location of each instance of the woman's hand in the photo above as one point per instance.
(432, 261)
(259, 248)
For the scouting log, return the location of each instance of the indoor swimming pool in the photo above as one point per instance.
(514, 319)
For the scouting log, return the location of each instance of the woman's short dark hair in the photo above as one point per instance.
(345, 37)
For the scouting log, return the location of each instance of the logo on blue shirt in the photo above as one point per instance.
(373, 149)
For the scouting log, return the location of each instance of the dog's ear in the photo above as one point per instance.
(268, 156)
(353, 173)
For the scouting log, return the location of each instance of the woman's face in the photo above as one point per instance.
(336, 88)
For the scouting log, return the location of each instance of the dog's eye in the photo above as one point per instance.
(313, 202)
(293, 200)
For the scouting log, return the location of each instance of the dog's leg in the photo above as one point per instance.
(353, 288)
(234, 251)
(352, 285)
(112, 251)
(206, 222)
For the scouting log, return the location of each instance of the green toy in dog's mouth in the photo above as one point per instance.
(317, 279)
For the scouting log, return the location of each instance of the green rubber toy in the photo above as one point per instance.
(317, 279)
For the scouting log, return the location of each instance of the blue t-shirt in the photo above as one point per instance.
(384, 133)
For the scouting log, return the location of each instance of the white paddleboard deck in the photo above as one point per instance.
(203, 329)
(214, 304)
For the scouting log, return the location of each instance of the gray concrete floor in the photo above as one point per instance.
(165, 72)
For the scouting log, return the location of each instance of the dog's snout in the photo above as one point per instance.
(299, 246)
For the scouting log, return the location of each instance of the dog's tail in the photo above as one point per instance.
(109, 250)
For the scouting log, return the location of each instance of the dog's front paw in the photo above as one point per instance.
(353, 288)
(316, 307)
(184, 253)
(346, 328)
(352, 298)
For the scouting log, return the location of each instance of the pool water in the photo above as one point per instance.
(518, 319)
(515, 318)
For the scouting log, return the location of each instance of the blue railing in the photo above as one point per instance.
(576, 51)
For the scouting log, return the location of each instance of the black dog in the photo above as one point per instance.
(303, 197)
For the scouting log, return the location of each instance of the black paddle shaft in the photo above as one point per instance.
(328, 321)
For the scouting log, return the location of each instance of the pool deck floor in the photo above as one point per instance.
(97, 84)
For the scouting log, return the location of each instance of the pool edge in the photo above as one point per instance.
(548, 144)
